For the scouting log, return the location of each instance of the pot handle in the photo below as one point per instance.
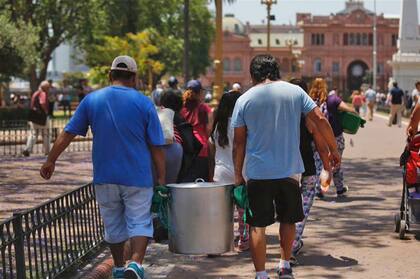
(199, 180)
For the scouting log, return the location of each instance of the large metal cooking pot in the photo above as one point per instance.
(200, 218)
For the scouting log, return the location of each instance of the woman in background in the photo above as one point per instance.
(199, 115)
(220, 157)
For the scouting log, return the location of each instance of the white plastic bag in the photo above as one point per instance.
(166, 117)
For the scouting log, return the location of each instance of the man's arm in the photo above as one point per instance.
(324, 128)
(158, 157)
(344, 107)
(63, 140)
(238, 153)
(414, 121)
(320, 144)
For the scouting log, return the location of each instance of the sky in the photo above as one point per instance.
(285, 10)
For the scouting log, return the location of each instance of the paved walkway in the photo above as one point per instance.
(22, 187)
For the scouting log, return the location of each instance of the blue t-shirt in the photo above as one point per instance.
(271, 113)
(123, 122)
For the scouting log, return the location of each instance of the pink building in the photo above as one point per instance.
(337, 47)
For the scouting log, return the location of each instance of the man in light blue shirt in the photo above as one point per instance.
(370, 96)
(127, 139)
(266, 119)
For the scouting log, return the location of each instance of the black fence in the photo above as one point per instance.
(16, 134)
(45, 241)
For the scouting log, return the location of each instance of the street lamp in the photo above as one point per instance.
(375, 46)
(269, 18)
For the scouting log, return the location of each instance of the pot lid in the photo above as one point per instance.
(199, 183)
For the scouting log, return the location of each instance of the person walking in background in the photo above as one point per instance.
(221, 162)
(309, 136)
(199, 115)
(331, 105)
(173, 149)
(39, 104)
(266, 122)
(357, 100)
(173, 86)
(370, 95)
(396, 101)
(157, 94)
(127, 139)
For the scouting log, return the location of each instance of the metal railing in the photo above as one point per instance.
(45, 241)
(14, 137)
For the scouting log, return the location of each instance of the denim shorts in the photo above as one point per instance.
(125, 211)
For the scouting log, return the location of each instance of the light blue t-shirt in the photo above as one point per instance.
(370, 95)
(271, 113)
(123, 122)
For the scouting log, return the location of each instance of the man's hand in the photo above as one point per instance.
(47, 170)
(335, 159)
(239, 180)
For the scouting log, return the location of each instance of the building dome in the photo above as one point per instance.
(233, 25)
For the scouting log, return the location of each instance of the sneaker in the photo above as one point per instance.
(342, 192)
(26, 153)
(118, 272)
(297, 247)
(285, 273)
(134, 271)
(259, 277)
(243, 246)
(293, 260)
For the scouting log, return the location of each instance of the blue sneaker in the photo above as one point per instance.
(118, 272)
(134, 271)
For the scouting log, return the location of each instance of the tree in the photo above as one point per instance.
(56, 21)
(167, 17)
(148, 48)
(17, 48)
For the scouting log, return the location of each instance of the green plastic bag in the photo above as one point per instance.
(160, 202)
(351, 122)
(240, 197)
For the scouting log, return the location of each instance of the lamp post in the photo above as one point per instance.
(375, 46)
(218, 53)
(268, 3)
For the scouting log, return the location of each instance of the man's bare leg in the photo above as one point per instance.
(138, 247)
(287, 235)
(257, 243)
(117, 251)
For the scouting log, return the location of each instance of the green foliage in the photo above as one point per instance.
(150, 50)
(73, 78)
(55, 22)
(17, 47)
(166, 18)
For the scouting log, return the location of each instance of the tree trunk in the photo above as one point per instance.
(186, 40)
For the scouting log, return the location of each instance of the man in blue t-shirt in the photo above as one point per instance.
(397, 101)
(126, 141)
(266, 119)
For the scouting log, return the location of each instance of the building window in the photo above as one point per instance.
(317, 39)
(352, 39)
(277, 42)
(370, 39)
(358, 39)
(259, 41)
(226, 65)
(346, 39)
(237, 65)
(237, 31)
(336, 68)
(380, 69)
(317, 66)
(365, 40)
(394, 40)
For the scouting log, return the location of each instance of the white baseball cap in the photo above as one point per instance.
(124, 63)
(236, 86)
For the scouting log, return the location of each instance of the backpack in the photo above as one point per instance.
(37, 115)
